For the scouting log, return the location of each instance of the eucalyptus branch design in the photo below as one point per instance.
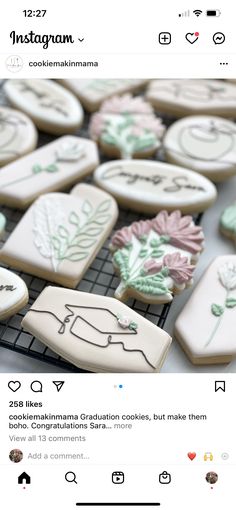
(59, 237)
(68, 152)
(227, 278)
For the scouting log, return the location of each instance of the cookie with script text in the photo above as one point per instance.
(206, 326)
(13, 293)
(126, 127)
(61, 234)
(205, 144)
(52, 108)
(155, 259)
(52, 167)
(96, 333)
(189, 97)
(150, 186)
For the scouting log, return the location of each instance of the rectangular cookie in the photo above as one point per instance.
(96, 333)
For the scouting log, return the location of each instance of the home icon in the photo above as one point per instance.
(24, 478)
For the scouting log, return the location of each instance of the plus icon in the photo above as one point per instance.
(165, 38)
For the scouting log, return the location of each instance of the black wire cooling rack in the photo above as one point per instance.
(99, 279)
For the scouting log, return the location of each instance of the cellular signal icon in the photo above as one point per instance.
(184, 14)
(197, 12)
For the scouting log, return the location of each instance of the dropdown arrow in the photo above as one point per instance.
(81, 40)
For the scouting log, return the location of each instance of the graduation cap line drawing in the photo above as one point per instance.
(109, 334)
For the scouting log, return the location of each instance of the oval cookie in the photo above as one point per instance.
(13, 293)
(156, 258)
(54, 166)
(92, 93)
(228, 222)
(189, 97)
(52, 108)
(18, 135)
(126, 127)
(206, 144)
(63, 233)
(206, 326)
(149, 186)
(96, 333)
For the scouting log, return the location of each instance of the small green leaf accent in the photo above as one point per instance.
(52, 168)
(217, 310)
(87, 207)
(121, 260)
(77, 256)
(157, 253)
(101, 220)
(104, 206)
(86, 243)
(133, 326)
(74, 218)
(63, 232)
(230, 302)
(56, 243)
(149, 286)
(143, 239)
(143, 252)
(36, 169)
(154, 243)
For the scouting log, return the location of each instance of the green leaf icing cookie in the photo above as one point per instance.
(228, 222)
(156, 258)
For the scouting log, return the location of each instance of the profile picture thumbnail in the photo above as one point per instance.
(16, 455)
(211, 477)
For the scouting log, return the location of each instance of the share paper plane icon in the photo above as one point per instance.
(58, 384)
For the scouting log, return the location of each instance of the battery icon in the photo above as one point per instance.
(213, 13)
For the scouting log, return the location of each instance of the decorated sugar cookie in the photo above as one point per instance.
(206, 144)
(206, 326)
(62, 233)
(92, 93)
(126, 127)
(13, 293)
(96, 333)
(150, 186)
(2, 225)
(18, 135)
(189, 97)
(155, 259)
(228, 222)
(51, 107)
(54, 166)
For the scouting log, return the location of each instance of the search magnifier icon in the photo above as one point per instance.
(70, 477)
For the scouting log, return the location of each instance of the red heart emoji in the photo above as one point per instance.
(192, 455)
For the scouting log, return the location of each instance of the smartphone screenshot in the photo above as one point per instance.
(117, 255)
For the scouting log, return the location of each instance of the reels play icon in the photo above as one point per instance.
(118, 477)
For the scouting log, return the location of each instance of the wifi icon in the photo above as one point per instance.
(197, 12)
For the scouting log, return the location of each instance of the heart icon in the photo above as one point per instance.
(192, 455)
(192, 37)
(14, 385)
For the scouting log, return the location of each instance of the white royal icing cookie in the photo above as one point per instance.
(54, 166)
(189, 97)
(63, 233)
(96, 333)
(206, 144)
(149, 186)
(18, 135)
(13, 293)
(126, 127)
(51, 107)
(156, 258)
(206, 326)
(2, 225)
(92, 93)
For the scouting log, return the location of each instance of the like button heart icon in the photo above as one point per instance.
(14, 385)
(192, 37)
(192, 455)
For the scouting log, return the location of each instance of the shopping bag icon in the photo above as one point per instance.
(164, 477)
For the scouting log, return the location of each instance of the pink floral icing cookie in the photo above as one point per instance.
(156, 258)
(127, 127)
